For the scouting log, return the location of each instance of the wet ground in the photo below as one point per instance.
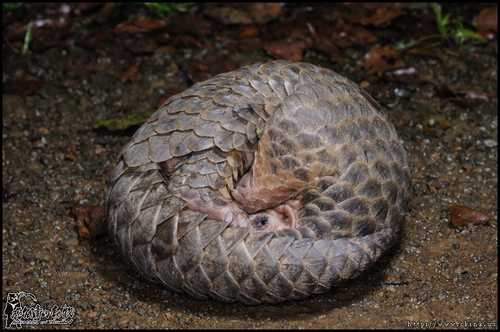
(89, 63)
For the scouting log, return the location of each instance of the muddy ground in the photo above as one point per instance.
(88, 63)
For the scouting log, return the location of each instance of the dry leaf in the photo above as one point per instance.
(380, 59)
(462, 216)
(90, 221)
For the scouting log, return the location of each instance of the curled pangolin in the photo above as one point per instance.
(268, 183)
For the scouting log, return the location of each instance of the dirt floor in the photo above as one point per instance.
(87, 64)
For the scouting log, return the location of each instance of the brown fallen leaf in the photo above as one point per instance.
(468, 98)
(106, 13)
(90, 221)
(326, 46)
(461, 216)
(22, 86)
(249, 32)
(487, 20)
(362, 36)
(128, 73)
(381, 14)
(245, 45)
(228, 15)
(471, 98)
(214, 64)
(264, 12)
(141, 24)
(286, 50)
(380, 59)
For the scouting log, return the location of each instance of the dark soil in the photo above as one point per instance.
(92, 62)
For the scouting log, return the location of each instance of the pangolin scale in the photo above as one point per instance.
(296, 131)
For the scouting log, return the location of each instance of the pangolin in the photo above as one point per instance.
(271, 182)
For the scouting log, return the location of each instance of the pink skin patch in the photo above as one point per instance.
(283, 216)
(230, 212)
(244, 191)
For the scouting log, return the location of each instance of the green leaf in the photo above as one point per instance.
(418, 41)
(425, 48)
(458, 32)
(135, 119)
(13, 5)
(437, 11)
(28, 37)
(468, 33)
(450, 52)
